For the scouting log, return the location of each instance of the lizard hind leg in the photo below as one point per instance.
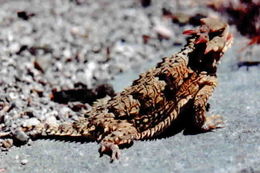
(109, 146)
(121, 133)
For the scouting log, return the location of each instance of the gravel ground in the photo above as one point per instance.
(55, 44)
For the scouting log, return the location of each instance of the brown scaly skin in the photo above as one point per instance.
(154, 101)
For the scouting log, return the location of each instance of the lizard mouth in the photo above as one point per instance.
(201, 39)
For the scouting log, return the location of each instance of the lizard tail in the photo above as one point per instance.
(73, 129)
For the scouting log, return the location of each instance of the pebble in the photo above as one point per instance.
(31, 122)
(21, 136)
(24, 161)
(51, 120)
(163, 31)
(14, 47)
(7, 143)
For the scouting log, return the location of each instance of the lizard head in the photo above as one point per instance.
(214, 33)
(212, 39)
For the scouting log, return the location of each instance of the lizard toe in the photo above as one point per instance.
(111, 148)
(213, 122)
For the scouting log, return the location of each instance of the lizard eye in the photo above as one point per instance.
(216, 33)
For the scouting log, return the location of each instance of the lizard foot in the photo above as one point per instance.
(110, 147)
(213, 122)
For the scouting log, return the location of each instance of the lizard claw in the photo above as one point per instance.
(110, 147)
(213, 122)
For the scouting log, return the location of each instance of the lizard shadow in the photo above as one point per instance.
(81, 140)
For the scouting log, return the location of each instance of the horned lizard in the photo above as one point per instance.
(155, 100)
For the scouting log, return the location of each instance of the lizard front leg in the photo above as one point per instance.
(120, 133)
(201, 120)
